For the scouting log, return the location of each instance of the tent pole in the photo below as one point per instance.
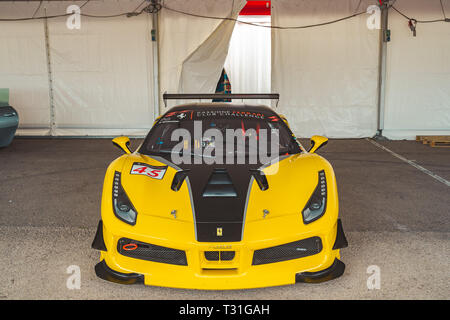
(50, 77)
(384, 39)
(155, 46)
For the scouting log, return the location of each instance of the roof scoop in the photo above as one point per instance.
(219, 185)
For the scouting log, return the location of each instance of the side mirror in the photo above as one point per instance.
(317, 142)
(122, 143)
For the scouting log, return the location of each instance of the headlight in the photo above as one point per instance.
(123, 208)
(316, 206)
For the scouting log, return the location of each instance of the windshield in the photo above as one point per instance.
(210, 133)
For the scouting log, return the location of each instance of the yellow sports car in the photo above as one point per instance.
(208, 201)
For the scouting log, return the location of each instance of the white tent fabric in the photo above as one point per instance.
(23, 67)
(327, 77)
(101, 73)
(179, 36)
(192, 49)
(249, 57)
(418, 73)
(201, 71)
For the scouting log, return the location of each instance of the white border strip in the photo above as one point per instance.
(415, 165)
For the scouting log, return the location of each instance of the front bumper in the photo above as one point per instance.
(238, 273)
(334, 271)
(106, 273)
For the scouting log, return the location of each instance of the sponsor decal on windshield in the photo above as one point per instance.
(176, 116)
(229, 114)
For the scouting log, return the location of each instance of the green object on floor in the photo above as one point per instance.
(4, 97)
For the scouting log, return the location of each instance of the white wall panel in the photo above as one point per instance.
(327, 76)
(101, 73)
(418, 72)
(23, 68)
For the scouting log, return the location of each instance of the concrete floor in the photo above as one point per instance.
(395, 217)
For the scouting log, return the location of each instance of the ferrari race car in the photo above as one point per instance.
(198, 205)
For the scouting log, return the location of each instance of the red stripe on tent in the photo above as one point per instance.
(256, 8)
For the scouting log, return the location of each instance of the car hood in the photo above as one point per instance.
(221, 196)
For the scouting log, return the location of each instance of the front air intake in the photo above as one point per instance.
(288, 251)
(150, 252)
(219, 255)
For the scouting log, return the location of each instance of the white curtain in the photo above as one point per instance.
(201, 71)
(418, 72)
(249, 57)
(327, 76)
(193, 50)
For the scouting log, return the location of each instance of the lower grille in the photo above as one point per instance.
(219, 255)
(288, 251)
(212, 255)
(226, 255)
(145, 251)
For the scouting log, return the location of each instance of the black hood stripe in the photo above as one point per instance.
(212, 213)
(223, 208)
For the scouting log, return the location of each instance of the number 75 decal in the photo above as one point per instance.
(148, 170)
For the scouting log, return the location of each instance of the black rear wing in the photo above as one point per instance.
(219, 96)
